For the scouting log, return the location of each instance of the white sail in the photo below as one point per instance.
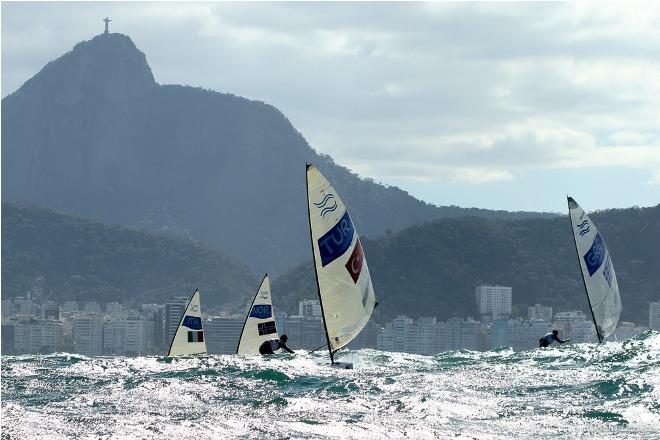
(259, 324)
(189, 335)
(597, 272)
(345, 290)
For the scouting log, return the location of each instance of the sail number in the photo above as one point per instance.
(261, 311)
(334, 243)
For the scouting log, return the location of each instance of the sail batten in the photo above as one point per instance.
(597, 270)
(259, 323)
(344, 284)
(189, 335)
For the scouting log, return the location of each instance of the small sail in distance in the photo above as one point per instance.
(189, 335)
(259, 323)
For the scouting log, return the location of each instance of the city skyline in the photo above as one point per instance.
(147, 330)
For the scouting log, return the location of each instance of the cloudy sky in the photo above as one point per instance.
(504, 106)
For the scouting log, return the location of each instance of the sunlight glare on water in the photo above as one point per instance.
(584, 390)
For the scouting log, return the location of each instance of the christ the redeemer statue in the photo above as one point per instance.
(107, 20)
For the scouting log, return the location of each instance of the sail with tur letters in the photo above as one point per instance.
(259, 324)
(597, 272)
(345, 290)
(189, 335)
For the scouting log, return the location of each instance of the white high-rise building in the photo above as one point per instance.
(113, 308)
(404, 333)
(88, 334)
(309, 307)
(494, 302)
(24, 306)
(7, 308)
(222, 333)
(461, 334)
(654, 315)
(91, 307)
(128, 335)
(426, 336)
(37, 336)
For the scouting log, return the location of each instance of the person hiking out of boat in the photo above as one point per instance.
(548, 339)
(272, 345)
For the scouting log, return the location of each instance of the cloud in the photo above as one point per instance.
(471, 93)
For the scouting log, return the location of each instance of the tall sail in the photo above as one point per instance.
(597, 272)
(259, 324)
(344, 284)
(189, 335)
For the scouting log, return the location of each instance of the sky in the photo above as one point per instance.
(492, 105)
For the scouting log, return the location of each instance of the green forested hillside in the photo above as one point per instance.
(429, 269)
(433, 268)
(84, 260)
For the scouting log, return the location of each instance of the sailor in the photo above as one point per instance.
(549, 338)
(272, 345)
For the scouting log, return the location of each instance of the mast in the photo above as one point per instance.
(316, 274)
(247, 316)
(591, 309)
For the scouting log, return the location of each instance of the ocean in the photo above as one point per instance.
(591, 391)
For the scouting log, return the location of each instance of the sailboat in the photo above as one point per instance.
(598, 274)
(189, 335)
(343, 282)
(259, 323)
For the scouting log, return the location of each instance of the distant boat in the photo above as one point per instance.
(344, 285)
(189, 335)
(259, 323)
(597, 272)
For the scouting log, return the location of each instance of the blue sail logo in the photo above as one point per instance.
(334, 243)
(596, 254)
(261, 311)
(327, 204)
(192, 322)
(583, 227)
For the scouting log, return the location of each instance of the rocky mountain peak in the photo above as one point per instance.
(107, 68)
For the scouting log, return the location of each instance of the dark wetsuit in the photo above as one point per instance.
(269, 347)
(548, 339)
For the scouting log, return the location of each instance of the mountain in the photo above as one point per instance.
(94, 135)
(433, 268)
(90, 261)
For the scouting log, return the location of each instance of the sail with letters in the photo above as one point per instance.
(259, 323)
(344, 285)
(189, 335)
(597, 272)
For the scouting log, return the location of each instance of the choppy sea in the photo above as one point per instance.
(590, 391)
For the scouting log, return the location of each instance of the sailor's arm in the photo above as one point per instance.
(283, 346)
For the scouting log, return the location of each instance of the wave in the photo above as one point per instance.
(606, 390)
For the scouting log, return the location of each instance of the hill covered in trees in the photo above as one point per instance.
(433, 268)
(89, 261)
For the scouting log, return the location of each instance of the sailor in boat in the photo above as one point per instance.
(272, 345)
(550, 338)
